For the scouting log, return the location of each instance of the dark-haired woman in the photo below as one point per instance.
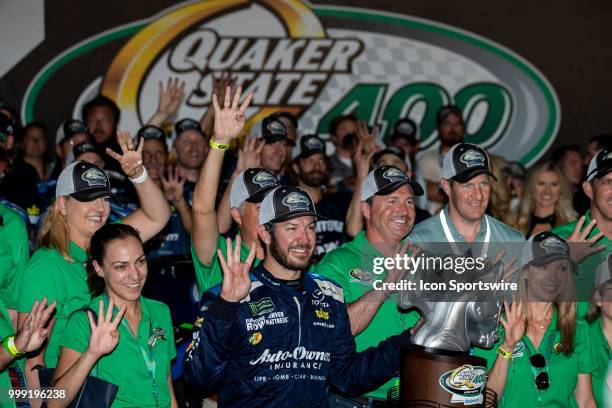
(543, 357)
(125, 339)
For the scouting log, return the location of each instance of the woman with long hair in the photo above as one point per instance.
(57, 269)
(600, 325)
(546, 202)
(543, 353)
(123, 338)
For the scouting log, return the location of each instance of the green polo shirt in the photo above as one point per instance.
(429, 232)
(14, 235)
(601, 356)
(208, 276)
(125, 365)
(520, 390)
(350, 266)
(585, 278)
(49, 274)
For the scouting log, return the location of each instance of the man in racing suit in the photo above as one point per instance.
(277, 336)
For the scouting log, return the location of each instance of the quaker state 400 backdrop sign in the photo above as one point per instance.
(320, 62)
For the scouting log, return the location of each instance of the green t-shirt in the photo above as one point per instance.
(208, 276)
(49, 274)
(125, 365)
(520, 390)
(601, 356)
(14, 235)
(585, 278)
(351, 267)
(6, 329)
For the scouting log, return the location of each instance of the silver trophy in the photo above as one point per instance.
(455, 320)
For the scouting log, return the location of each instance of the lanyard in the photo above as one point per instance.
(451, 240)
(147, 354)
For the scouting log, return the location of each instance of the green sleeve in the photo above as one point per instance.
(20, 256)
(40, 278)
(77, 332)
(328, 267)
(583, 348)
(210, 275)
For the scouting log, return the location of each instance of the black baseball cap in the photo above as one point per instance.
(309, 145)
(73, 127)
(445, 111)
(600, 165)
(251, 185)
(389, 150)
(272, 129)
(545, 247)
(83, 181)
(7, 127)
(384, 180)
(83, 148)
(187, 124)
(288, 115)
(464, 161)
(285, 203)
(405, 129)
(151, 132)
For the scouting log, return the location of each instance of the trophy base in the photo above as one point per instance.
(432, 378)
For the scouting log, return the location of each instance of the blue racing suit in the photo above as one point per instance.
(280, 347)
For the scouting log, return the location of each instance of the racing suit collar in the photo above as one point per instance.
(265, 277)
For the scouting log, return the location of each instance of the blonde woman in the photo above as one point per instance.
(544, 357)
(546, 202)
(82, 205)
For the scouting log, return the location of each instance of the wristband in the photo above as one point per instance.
(505, 354)
(218, 146)
(9, 346)
(140, 179)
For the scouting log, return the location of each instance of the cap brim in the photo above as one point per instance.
(417, 190)
(288, 217)
(306, 154)
(90, 195)
(470, 174)
(259, 196)
(274, 139)
(545, 260)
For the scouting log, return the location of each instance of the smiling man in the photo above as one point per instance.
(387, 205)
(277, 336)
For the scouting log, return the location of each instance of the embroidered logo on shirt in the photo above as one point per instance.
(262, 306)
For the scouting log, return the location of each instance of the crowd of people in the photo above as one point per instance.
(282, 229)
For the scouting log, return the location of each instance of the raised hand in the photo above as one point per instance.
(362, 160)
(584, 246)
(514, 324)
(221, 83)
(32, 332)
(230, 119)
(170, 97)
(131, 159)
(173, 186)
(366, 137)
(104, 334)
(250, 154)
(236, 282)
